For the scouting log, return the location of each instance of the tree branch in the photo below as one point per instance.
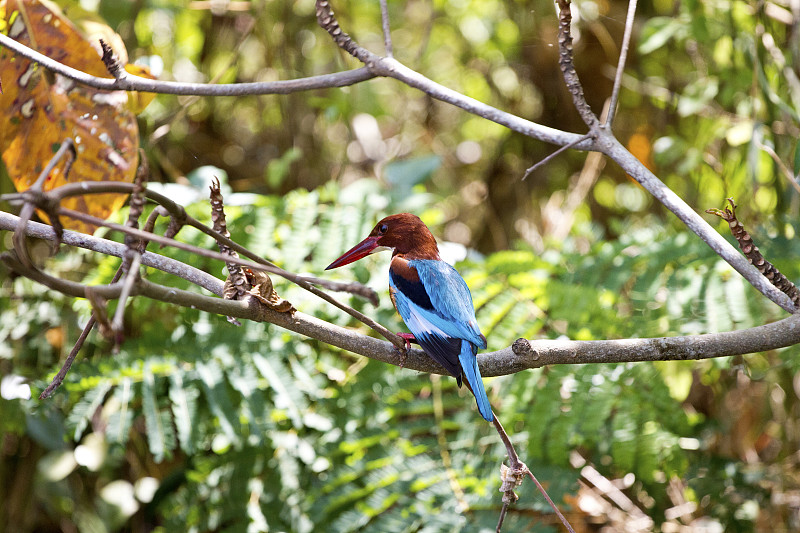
(623, 57)
(602, 141)
(391, 68)
(565, 61)
(129, 82)
(522, 355)
(258, 263)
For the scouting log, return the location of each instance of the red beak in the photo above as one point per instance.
(362, 249)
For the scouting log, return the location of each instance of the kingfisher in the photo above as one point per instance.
(430, 296)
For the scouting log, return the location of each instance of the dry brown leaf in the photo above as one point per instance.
(260, 288)
(39, 110)
(265, 293)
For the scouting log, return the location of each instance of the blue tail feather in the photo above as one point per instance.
(469, 364)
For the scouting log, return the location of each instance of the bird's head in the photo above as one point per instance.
(404, 233)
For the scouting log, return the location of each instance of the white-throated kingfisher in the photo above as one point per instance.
(431, 297)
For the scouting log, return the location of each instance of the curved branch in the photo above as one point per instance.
(257, 263)
(522, 355)
(602, 141)
(391, 68)
(129, 82)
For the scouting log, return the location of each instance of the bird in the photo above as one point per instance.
(431, 297)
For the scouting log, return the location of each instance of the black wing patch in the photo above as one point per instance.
(413, 290)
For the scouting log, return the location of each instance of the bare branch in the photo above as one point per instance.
(387, 31)
(522, 355)
(259, 264)
(129, 82)
(623, 57)
(179, 217)
(554, 155)
(230, 259)
(38, 230)
(603, 141)
(565, 61)
(131, 276)
(391, 68)
(513, 475)
(59, 378)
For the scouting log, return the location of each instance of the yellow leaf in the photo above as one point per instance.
(137, 101)
(39, 110)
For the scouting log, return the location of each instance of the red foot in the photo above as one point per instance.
(409, 338)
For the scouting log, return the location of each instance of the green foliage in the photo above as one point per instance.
(253, 427)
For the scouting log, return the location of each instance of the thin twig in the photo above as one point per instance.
(131, 276)
(503, 511)
(623, 57)
(513, 477)
(358, 289)
(753, 254)
(390, 336)
(554, 155)
(387, 33)
(31, 195)
(547, 497)
(59, 378)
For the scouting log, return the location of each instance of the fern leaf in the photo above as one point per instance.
(183, 399)
(214, 385)
(160, 436)
(84, 410)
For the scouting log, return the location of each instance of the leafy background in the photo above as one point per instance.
(198, 425)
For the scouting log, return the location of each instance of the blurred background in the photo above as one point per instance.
(196, 425)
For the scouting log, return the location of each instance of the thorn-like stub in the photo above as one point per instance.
(522, 347)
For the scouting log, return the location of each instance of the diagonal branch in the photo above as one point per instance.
(611, 147)
(181, 217)
(391, 68)
(602, 139)
(522, 355)
(256, 264)
(623, 57)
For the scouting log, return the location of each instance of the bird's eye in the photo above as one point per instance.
(383, 229)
